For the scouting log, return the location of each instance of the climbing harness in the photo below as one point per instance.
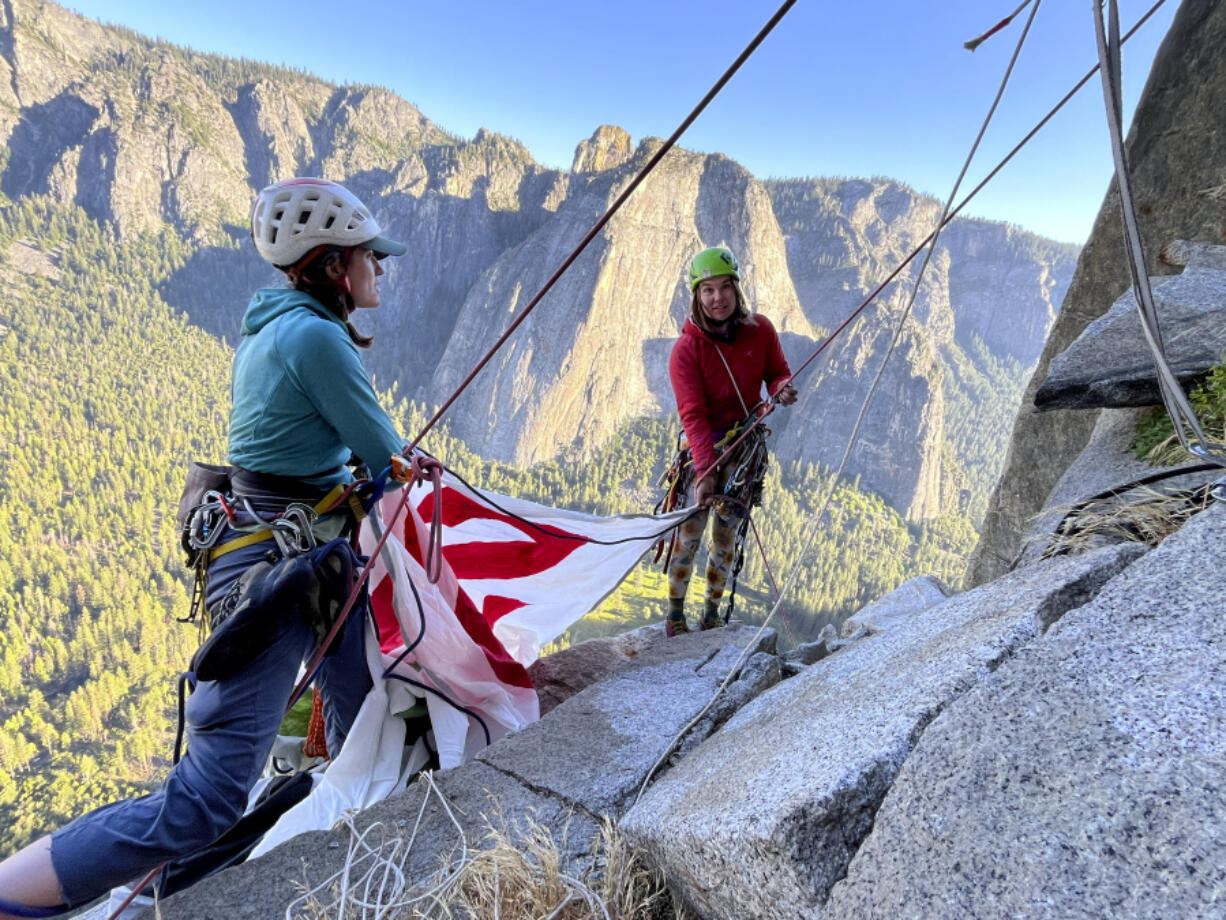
(740, 492)
(750, 461)
(743, 484)
(205, 515)
(303, 577)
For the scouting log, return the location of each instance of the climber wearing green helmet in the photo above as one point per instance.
(718, 368)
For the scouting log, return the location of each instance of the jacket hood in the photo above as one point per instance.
(269, 303)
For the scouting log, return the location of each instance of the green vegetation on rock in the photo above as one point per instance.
(1155, 440)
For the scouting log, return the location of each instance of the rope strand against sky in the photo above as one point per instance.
(608, 214)
(976, 42)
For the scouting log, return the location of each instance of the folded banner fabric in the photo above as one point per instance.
(515, 576)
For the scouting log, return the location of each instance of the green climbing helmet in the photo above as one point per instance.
(711, 263)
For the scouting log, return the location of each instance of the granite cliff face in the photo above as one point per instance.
(150, 138)
(988, 295)
(594, 355)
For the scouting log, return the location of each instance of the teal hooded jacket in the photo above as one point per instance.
(301, 399)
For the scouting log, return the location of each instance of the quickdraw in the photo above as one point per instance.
(744, 485)
(676, 481)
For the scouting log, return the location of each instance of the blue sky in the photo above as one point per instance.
(866, 88)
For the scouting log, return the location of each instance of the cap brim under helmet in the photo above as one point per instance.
(382, 247)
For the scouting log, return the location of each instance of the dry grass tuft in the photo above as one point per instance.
(1169, 452)
(526, 880)
(520, 875)
(1149, 519)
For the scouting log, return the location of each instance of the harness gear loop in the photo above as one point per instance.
(298, 529)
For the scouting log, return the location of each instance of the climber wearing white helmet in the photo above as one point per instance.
(303, 413)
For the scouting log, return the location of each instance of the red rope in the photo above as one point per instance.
(976, 42)
(765, 562)
(136, 889)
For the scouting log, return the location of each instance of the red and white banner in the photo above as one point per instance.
(515, 575)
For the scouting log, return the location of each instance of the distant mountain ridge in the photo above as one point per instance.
(142, 134)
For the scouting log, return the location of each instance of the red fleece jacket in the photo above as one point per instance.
(706, 397)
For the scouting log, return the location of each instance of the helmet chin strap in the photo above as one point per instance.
(343, 284)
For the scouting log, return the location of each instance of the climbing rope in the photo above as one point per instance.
(383, 885)
(1183, 417)
(811, 525)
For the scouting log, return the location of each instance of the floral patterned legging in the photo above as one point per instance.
(720, 552)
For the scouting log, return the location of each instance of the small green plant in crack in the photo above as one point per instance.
(1155, 441)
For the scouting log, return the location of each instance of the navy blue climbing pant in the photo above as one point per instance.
(231, 726)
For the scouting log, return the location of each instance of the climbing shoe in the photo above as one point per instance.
(675, 625)
(711, 618)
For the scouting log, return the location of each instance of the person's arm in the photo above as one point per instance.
(778, 375)
(685, 372)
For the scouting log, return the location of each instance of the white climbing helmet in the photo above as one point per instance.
(292, 217)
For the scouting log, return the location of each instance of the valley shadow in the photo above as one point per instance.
(37, 144)
(214, 286)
